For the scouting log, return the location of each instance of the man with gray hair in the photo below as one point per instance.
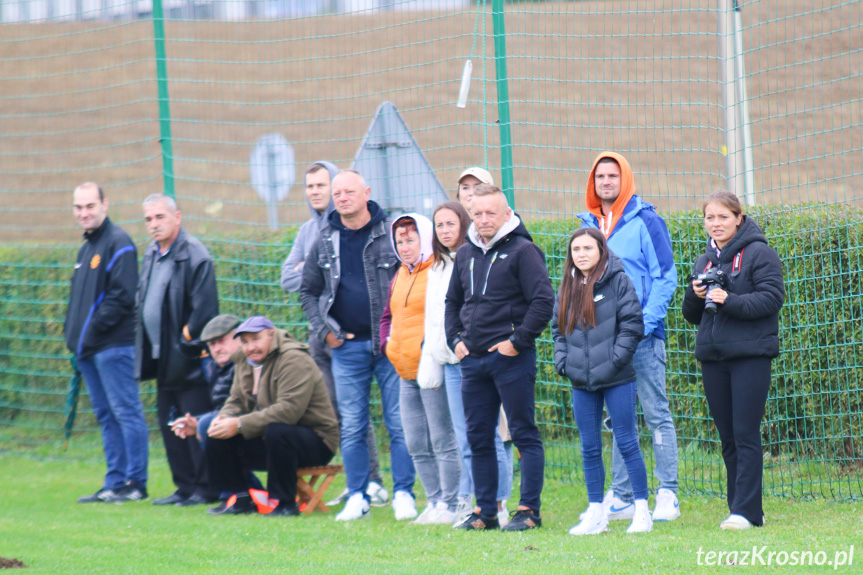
(177, 296)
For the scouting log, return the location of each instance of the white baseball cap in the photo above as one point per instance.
(479, 173)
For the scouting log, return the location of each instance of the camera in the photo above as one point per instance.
(712, 279)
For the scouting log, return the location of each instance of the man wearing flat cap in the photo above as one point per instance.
(278, 418)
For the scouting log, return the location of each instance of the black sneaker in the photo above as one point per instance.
(522, 520)
(284, 510)
(479, 522)
(234, 506)
(132, 491)
(101, 496)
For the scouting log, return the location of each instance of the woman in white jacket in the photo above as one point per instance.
(438, 364)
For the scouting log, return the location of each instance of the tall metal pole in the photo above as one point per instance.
(497, 19)
(745, 128)
(733, 160)
(164, 103)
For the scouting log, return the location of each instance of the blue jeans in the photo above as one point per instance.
(649, 363)
(113, 392)
(587, 408)
(353, 368)
(452, 379)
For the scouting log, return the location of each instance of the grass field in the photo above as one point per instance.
(41, 525)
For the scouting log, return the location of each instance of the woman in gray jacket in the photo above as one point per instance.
(597, 324)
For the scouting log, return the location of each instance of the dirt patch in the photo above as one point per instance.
(11, 563)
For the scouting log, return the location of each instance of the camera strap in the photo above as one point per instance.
(735, 267)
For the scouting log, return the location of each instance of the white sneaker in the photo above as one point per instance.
(404, 506)
(343, 496)
(463, 509)
(667, 506)
(641, 520)
(735, 522)
(425, 517)
(617, 509)
(503, 514)
(356, 508)
(378, 495)
(442, 515)
(593, 521)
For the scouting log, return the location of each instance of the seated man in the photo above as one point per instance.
(278, 418)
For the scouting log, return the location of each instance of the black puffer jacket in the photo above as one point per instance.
(598, 357)
(221, 378)
(747, 324)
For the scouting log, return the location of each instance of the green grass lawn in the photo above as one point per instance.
(42, 525)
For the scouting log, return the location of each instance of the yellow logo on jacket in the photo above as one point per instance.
(95, 261)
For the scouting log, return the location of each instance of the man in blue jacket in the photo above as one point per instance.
(100, 332)
(639, 237)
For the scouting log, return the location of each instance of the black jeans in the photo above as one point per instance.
(736, 392)
(282, 450)
(185, 456)
(488, 382)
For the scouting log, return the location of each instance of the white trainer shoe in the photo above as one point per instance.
(463, 509)
(735, 522)
(442, 515)
(667, 506)
(641, 520)
(617, 509)
(404, 506)
(378, 495)
(425, 517)
(503, 514)
(356, 508)
(593, 521)
(343, 496)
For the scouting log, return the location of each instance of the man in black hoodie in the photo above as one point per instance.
(499, 301)
(100, 332)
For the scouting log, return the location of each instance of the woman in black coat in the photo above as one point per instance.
(597, 324)
(738, 336)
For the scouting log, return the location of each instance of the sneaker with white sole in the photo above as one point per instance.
(735, 522)
(667, 506)
(503, 514)
(343, 496)
(463, 509)
(356, 508)
(404, 506)
(378, 495)
(617, 509)
(641, 520)
(593, 521)
(425, 517)
(442, 515)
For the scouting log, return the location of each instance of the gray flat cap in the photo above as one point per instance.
(219, 326)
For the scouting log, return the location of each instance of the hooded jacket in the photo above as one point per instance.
(291, 390)
(599, 357)
(101, 312)
(402, 323)
(747, 324)
(322, 275)
(640, 238)
(191, 300)
(499, 290)
(292, 268)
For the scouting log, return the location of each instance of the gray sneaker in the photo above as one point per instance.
(101, 496)
(132, 491)
(343, 496)
(378, 496)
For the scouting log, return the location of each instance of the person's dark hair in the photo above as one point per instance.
(315, 168)
(438, 249)
(723, 198)
(576, 292)
(608, 160)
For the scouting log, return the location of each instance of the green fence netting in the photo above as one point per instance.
(173, 96)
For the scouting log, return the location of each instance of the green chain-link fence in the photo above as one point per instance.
(176, 99)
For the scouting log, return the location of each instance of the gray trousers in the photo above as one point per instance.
(323, 356)
(431, 441)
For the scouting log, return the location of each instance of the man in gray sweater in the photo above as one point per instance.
(319, 176)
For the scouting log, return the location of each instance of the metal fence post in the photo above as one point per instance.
(497, 18)
(164, 103)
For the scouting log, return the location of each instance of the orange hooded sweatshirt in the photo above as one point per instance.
(607, 221)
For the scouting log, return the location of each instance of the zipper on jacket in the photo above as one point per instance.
(488, 271)
(471, 276)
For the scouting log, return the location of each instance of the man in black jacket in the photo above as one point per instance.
(176, 298)
(100, 332)
(499, 301)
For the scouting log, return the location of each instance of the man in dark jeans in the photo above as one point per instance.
(100, 332)
(499, 301)
(176, 298)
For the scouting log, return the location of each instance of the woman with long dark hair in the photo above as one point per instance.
(738, 337)
(597, 324)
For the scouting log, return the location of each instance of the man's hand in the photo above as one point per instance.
(335, 342)
(224, 428)
(185, 426)
(504, 348)
(461, 350)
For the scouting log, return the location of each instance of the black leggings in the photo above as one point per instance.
(736, 392)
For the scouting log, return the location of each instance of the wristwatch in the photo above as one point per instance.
(239, 425)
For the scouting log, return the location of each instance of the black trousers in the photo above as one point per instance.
(280, 452)
(185, 456)
(736, 392)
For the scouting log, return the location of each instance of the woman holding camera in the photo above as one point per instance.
(737, 314)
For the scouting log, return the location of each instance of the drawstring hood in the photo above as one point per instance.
(425, 229)
(607, 221)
